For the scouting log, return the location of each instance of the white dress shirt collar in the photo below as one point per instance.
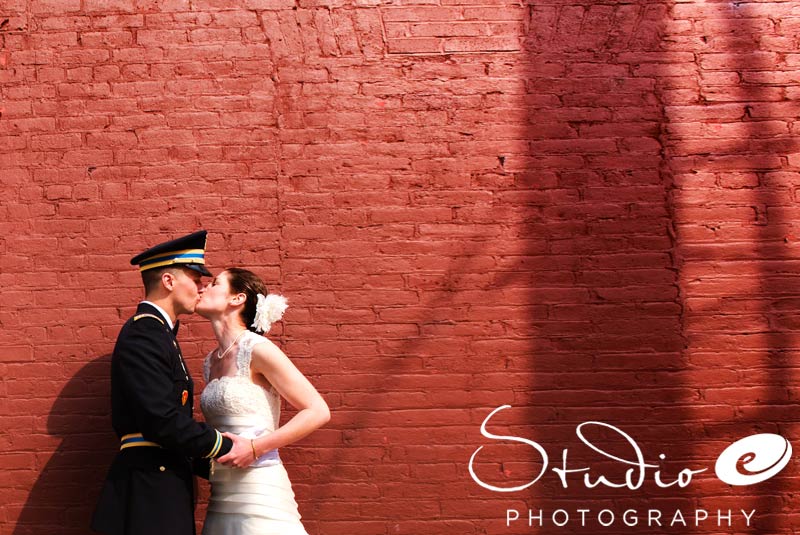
(162, 312)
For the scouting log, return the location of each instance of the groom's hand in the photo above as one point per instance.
(241, 454)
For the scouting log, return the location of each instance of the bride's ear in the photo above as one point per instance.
(238, 299)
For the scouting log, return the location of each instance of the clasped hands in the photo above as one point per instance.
(241, 455)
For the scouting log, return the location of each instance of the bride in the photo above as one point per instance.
(246, 375)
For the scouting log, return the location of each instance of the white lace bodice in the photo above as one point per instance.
(236, 398)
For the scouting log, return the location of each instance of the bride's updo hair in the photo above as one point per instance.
(246, 282)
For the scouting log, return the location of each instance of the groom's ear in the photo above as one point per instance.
(168, 279)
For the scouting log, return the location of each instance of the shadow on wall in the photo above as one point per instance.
(63, 497)
(751, 160)
(610, 337)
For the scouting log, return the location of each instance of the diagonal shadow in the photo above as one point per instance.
(421, 362)
(579, 312)
(746, 152)
(610, 337)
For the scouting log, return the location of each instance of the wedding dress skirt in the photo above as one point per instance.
(253, 501)
(257, 500)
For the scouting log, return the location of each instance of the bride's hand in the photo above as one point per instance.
(241, 454)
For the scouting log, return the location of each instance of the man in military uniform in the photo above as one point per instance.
(149, 487)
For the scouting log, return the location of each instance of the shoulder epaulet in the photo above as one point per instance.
(140, 316)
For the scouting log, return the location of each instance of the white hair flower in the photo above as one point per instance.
(269, 309)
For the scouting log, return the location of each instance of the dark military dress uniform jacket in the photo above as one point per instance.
(149, 487)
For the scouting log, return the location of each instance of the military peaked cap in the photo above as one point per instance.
(187, 251)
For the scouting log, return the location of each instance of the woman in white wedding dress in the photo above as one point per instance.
(246, 376)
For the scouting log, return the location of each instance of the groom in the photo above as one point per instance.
(149, 487)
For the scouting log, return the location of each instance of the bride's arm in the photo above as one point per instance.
(269, 361)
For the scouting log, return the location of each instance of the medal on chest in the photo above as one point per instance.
(185, 393)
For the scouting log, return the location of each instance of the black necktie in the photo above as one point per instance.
(175, 328)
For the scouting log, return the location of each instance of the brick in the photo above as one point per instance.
(160, 38)
(494, 14)
(55, 141)
(215, 35)
(269, 4)
(112, 38)
(447, 30)
(56, 6)
(421, 14)
(114, 22)
(84, 56)
(481, 44)
(104, 6)
(16, 354)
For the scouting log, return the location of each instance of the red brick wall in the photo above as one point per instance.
(582, 210)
